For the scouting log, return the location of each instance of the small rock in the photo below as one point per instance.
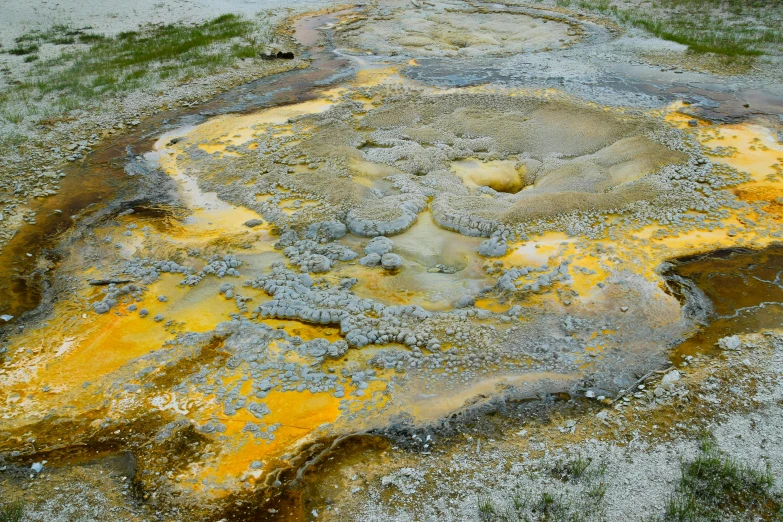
(318, 264)
(466, 301)
(670, 378)
(731, 343)
(379, 245)
(493, 247)
(391, 261)
(251, 223)
(370, 260)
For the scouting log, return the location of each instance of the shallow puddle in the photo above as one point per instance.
(745, 289)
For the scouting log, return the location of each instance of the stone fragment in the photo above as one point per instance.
(379, 245)
(493, 247)
(371, 260)
(318, 264)
(730, 343)
(670, 378)
(251, 223)
(391, 261)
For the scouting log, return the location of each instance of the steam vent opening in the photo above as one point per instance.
(499, 175)
(428, 260)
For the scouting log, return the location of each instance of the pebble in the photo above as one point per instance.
(670, 378)
(731, 343)
(391, 261)
(379, 245)
(371, 260)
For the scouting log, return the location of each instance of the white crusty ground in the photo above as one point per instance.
(640, 476)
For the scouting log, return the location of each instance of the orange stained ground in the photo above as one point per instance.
(641, 251)
(85, 347)
(299, 414)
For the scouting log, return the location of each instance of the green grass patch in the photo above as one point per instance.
(12, 139)
(728, 42)
(98, 66)
(22, 49)
(715, 486)
(571, 469)
(583, 505)
(13, 113)
(11, 511)
(89, 38)
(735, 28)
(546, 507)
(121, 63)
(58, 34)
(596, 5)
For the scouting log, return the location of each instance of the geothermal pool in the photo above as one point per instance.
(390, 252)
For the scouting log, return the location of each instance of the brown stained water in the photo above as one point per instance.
(100, 178)
(82, 191)
(745, 289)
